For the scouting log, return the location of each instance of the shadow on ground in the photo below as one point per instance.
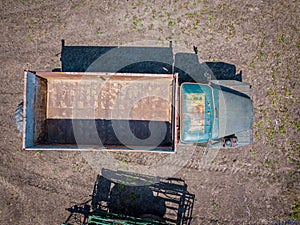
(163, 201)
(157, 60)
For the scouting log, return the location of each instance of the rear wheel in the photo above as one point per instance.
(18, 117)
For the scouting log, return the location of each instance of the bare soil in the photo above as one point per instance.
(256, 184)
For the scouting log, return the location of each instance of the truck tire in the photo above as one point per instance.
(18, 117)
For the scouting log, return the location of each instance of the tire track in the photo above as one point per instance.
(13, 201)
(196, 163)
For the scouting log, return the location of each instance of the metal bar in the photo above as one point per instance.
(91, 148)
(24, 110)
(176, 105)
(58, 74)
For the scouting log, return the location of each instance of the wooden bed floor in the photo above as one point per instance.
(114, 98)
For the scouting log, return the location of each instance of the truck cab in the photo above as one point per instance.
(216, 114)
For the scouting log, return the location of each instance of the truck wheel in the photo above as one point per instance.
(18, 117)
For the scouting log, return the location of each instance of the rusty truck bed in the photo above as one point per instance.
(100, 111)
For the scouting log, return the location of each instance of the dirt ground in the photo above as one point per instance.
(256, 184)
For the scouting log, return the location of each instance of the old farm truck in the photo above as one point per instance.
(133, 111)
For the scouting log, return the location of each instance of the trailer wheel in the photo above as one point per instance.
(18, 117)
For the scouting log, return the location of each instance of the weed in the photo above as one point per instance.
(296, 124)
(231, 30)
(189, 15)
(124, 162)
(171, 24)
(153, 14)
(135, 21)
(210, 17)
(267, 163)
(197, 24)
(74, 6)
(38, 153)
(270, 131)
(296, 210)
(208, 40)
(99, 32)
(214, 205)
(251, 64)
(294, 161)
(259, 125)
(257, 136)
(261, 55)
(282, 38)
(186, 5)
(275, 103)
(286, 118)
(150, 27)
(282, 129)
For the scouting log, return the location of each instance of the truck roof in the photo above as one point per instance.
(197, 112)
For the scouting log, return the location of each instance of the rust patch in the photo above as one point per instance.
(118, 97)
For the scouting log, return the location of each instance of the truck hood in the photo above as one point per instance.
(235, 112)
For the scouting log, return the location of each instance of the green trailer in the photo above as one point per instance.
(164, 201)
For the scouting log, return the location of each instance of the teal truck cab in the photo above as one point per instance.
(219, 114)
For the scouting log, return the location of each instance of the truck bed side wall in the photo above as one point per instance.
(35, 98)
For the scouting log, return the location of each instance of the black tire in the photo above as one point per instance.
(18, 117)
